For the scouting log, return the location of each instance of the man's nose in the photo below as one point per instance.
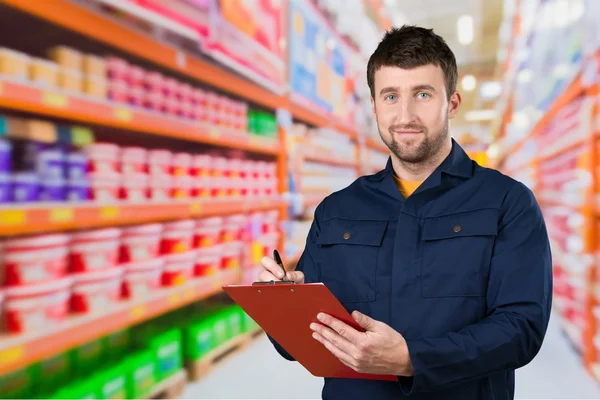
(405, 114)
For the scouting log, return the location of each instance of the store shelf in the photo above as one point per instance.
(76, 18)
(313, 199)
(325, 157)
(168, 388)
(377, 145)
(17, 351)
(21, 97)
(60, 216)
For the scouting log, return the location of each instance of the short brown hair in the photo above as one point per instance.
(410, 47)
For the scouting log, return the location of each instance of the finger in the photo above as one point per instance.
(296, 276)
(270, 265)
(366, 322)
(337, 352)
(266, 276)
(333, 337)
(343, 329)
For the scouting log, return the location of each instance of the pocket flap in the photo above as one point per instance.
(471, 223)
(342, 231)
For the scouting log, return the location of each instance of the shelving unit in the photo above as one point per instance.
(557, 157)
(74, 18)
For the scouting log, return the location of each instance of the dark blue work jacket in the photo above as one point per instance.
(462, 269)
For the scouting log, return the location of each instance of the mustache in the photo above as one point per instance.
(409, 127)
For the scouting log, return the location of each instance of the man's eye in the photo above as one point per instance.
(423, 95)
(391, 97)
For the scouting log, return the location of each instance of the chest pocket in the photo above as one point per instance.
(457, 250)
(348, 258)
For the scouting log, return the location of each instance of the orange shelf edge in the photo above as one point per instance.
(330, 159)
(64, 217)
(377, 145)
(18, 351)
(574, 89)
(54, 104)
(78, 19)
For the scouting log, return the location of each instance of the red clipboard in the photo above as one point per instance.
(285, 312)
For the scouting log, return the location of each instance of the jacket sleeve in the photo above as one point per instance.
(519, 297)
(307, 265)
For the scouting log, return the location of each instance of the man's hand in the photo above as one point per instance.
(273, 272)
(379, 350)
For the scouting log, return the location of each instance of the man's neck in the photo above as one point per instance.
(418, 172)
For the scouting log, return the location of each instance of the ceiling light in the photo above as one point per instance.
(481, 115)
(490, 90)
(465, 29)
(468, 83)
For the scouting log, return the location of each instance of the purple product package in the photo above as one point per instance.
(77, 164)
(53, 189)
(51, 163)
(26, 187)
(78, 190)
(5, 156)
(5, 188)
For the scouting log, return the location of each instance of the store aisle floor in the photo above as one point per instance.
(260, 373)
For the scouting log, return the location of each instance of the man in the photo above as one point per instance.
(444, 263)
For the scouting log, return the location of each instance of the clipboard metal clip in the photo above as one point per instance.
(284, 282)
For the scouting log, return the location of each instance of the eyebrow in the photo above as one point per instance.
(393, 89)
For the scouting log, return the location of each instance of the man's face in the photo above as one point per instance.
(412, 111)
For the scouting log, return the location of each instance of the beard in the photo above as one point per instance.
(429, 146)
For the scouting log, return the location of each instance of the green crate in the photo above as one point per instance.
(88, 357)
(236, 321)
(85, 389)
(117, 345)
(168, 353)
(113, 382)
(141, 374)
(198, 339)
(220, 326)
(54, 372)
(21, 384)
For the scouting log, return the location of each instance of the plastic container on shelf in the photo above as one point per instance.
(179, 268)
(94, 86)
(43, 72)
(134, 187)
(5, 156)
(103, 157)
(182, 164)
(153, 82)
(186, 92)
(208, 232)
(160, 187)
(36, 259)
(142, 278)
(160, 162)
(78, 189)
(53, 189)
(134, 160)
(68, 58)
(116, 68)
(118, 91)
(270, 222)
(208, 261)
(5, 188)
(93, 65)
(95, 250)
(71, 81)
(182, 187)
(136, 96)
(233, 226)
(140, 243)
(170, 106)
(231, 255)
(153, 101)
(14, 64)
(269, 243)
(170, 86)
(177, 237)
(105, 187)
(50, 163)
(25, 187)
(201, 165)
(135, 77)
(36, 308)
(96, 291)
(77, 165)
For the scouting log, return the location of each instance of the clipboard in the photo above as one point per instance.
(286, 310)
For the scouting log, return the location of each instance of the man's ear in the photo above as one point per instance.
(454, 105)
(373, 106)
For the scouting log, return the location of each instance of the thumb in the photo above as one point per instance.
(366, 322)
(296, 276)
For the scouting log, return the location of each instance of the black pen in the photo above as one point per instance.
(277, 258)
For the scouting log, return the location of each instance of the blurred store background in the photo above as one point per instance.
(152, 151)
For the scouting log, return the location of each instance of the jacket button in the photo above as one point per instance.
(457, 228)
(347, 235)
